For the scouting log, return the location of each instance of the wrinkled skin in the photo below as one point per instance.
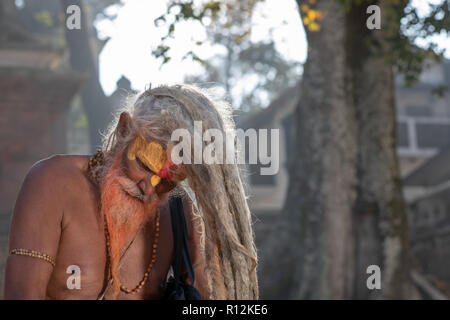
(57, 213)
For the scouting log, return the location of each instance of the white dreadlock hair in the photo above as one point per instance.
(228, 238)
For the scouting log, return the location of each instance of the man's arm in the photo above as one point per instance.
(195, 249)
(36, 225)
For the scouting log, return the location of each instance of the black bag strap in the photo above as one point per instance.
(180, 240)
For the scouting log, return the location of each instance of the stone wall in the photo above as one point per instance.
(33, 109)
(429, 220)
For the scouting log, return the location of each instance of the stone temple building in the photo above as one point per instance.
(35, 94)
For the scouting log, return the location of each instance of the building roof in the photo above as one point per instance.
(24, 49)
(263, 117)
(433, 172)
(53, 88)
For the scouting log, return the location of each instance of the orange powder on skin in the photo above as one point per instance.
(124, 216)
(151, 154)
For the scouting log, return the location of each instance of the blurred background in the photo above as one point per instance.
(363, 113)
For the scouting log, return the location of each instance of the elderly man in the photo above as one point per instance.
(100, 227)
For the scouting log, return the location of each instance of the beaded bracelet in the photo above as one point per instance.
(34, 254)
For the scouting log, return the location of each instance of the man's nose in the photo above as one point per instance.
(146, 187)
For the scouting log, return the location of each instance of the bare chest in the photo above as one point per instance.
(81, 270)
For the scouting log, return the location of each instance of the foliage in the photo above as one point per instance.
(274, 73)
(255, 68)
(407, 27)
(47, 19)
(98, 8)
(226, 22)
(404, 54)
(259, 61)
(311, 17)
(44, 17)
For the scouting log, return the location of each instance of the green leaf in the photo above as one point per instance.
(44, 17)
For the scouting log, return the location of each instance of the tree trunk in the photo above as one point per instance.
(82, 59)
(379, 216)
(344, 210)
(316, 253)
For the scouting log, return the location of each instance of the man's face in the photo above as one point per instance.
(126, 189)
(127, 201)
(136, 180)
(128, 197)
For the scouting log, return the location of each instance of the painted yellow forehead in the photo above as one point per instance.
(150, 154)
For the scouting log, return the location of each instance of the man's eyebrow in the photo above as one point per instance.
(143, 165)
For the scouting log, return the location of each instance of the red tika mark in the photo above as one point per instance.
(166, 171)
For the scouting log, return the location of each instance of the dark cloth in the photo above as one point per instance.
(176, 287)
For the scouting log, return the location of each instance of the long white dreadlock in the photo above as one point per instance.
(228, 238)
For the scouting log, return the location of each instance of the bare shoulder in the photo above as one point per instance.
(41, 197)
(42, 180)
(54, 174)
(57, 168)
(37, 225)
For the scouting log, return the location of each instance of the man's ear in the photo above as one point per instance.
(123, 127)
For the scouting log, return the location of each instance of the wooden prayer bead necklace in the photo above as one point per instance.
(152, 261)
(96, 160)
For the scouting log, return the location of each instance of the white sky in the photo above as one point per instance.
(133, 35)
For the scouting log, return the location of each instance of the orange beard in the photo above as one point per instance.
(124, 215)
